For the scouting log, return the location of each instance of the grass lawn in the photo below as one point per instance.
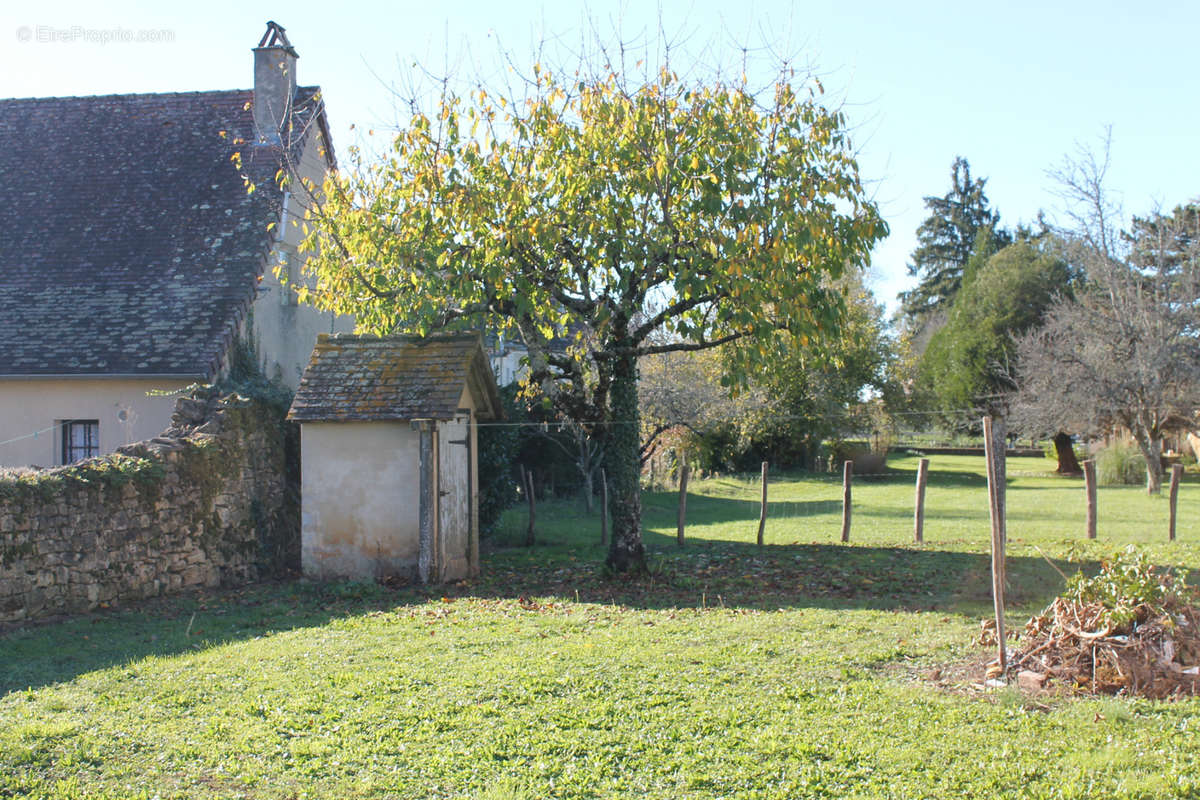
(795, 670)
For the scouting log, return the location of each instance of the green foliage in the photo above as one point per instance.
(1129, 587)
(498, 448)
(987, 243)
(544, 449)
(818, 394)
(959, 224)
(110, 471)
(245, 377)
(1120, 464)
(806, 395)
(972, 358)
(561, 196)
(278, 528)
(1165, 243)
(718, 447)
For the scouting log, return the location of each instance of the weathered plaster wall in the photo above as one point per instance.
(360, 515)
(282, 331)
(125, 411)
(206, 503)
(360, 490)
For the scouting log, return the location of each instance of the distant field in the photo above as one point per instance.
(795, 670)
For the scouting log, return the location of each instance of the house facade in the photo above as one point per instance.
(135, 262)
(509, 356)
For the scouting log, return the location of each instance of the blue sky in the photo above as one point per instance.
(1011, 86)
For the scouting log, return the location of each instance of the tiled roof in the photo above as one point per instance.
(128, 242)
(355, 377)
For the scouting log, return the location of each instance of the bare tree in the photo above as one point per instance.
(685, 390)
(585, 450)
(1125, 352)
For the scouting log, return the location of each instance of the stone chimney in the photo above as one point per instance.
(274, 83)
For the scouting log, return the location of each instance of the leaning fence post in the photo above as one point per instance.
(604, 506)
(1176, 475)
(919, 513)
(762, 514)
(996, 501)
(683, 479)
(1089, 487)
(847, 477)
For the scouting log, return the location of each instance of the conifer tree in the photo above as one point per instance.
(946, 240)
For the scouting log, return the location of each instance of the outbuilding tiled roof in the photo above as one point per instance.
(356, 377)
(128, 242)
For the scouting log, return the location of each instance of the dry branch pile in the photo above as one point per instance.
(1074, 644)
(1132, 629)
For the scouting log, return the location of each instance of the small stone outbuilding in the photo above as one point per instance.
(389, 455)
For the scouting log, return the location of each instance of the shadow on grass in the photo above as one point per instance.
(45, 653)
(704, 573)
(707, 572)
(948, 478)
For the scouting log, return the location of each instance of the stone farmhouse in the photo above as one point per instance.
(133, 260)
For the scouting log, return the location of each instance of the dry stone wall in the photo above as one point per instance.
(208, 503)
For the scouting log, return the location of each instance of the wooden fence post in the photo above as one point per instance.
(603, 507)
(1176, 476)
(762, 514)
(1089, 488)
(847, 478)
(919, 513)
(683, 480)
(995, 504)
(528, 477)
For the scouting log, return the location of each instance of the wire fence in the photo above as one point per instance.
(810, 507)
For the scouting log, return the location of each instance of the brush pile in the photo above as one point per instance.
(1131, 629)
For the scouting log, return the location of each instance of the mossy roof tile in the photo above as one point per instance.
(362, 378)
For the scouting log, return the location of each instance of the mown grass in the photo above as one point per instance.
(730, 671)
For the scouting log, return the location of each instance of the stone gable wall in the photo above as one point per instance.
(208, 503)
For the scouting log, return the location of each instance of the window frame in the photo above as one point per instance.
(91, 440)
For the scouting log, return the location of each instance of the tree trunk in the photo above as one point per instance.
(585, 461)
(626, 552)
(1068, 464)
(588, 488)
(1151, 449)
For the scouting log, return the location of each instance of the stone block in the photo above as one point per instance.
(35, 601)
(193, 576)
(1031, 681)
